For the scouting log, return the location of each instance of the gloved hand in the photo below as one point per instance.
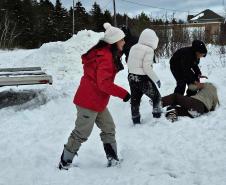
(127, 97)
(158, 84)
(199, 85)
(202, 76)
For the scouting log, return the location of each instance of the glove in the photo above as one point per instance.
(199, 85)
(127, 97)
(158, 84)
(201, 76)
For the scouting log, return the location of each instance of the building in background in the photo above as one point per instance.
(206, 16)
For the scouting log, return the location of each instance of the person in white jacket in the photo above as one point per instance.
(142, 78)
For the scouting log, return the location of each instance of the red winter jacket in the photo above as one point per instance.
(97, 83)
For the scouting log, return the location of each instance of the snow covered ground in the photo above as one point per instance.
(157, 152)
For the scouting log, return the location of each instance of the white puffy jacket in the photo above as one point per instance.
(141, 55)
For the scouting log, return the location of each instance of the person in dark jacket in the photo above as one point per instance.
(100, 65)
(184, 66)
(130, 40)
(205, 100)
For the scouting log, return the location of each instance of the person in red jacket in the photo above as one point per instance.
(100, 65)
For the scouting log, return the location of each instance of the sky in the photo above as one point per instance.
(158, 9)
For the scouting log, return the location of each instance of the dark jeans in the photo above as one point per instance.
(181, 84)
(186, 104)
(140, 85)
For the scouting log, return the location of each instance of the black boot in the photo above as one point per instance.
(171, 114)
(136, 120)
(64, 165)
(111, 155)
(157, 110)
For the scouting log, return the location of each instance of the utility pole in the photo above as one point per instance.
(115, 21)
(224, 7)
(73, 19)
(127, 21)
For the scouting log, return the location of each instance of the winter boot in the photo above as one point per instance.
(136, 120)
(171, 115)
(111, 154)
(66, 160)
(157, 110)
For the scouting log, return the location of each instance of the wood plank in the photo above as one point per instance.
(26, 80)
(18, 73)
(20, 69)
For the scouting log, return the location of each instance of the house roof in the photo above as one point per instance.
(206, 15)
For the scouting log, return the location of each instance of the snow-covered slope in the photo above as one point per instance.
(187, 152)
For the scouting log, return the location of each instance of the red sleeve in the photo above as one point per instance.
(105, 78)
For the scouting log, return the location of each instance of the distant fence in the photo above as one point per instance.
(175, 36)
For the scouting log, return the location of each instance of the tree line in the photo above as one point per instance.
(30, 23)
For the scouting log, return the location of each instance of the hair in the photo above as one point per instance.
(114, 50)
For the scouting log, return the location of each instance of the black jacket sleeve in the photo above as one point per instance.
(186, 67)
(197, 70)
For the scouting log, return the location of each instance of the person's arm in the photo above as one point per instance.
(189, 75)
(197, 70)
(147, 66)
(196, 86)
(105, 78)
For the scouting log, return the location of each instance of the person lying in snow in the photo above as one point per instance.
(184, 66)
(203, 101)
(100, 64)
(142, 78)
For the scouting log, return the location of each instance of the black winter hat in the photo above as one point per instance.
(199, 46)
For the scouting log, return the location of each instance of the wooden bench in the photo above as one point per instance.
(24, 76)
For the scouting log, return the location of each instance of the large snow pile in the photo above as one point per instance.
(190, 151)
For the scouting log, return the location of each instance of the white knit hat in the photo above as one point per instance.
(112, 34)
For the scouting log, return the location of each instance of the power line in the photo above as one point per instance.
(150, 6)
(105, 6)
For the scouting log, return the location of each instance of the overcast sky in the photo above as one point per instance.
(178, 8)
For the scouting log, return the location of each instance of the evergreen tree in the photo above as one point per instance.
(97, 19)
(174, 21)
(45, 25)
(81, 17)
(107, 16)
(21, 22)
(142, 22)
(61, 22)
(26, 24)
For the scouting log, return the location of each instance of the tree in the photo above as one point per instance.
(81, 17)
(107, 16)
(20, 19)
(61, 22)
(26, 24)
(222, 36)
(97, 20)
(142, 22)
(44, 27)
(7, 35)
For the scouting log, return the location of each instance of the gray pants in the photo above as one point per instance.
(84, 126)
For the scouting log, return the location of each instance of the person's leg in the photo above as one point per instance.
(150, 90)
(83, 128)
(136, 95)
(168, 100)
(181, 111)
(181, 84)
(190, 92)
(187, 103)
(180, 87)
(105, 122)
